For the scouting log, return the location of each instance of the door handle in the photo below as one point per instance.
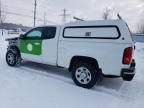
(37, 43)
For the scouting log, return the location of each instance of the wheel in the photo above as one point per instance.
(84, 75)
(11, 58)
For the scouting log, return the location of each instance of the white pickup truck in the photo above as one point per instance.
(88, 49)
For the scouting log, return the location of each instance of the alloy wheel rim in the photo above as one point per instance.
(10, 58)
(83, 75)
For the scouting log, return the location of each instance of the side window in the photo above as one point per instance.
(97, 32)
(35, 33)
(49, 32)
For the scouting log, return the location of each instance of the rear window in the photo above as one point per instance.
(101, 32)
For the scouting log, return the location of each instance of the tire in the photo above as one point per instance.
(11, 58)
(84, 75)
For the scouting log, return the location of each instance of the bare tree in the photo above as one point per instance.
(140, 28)
(106, 14)
(2, 16)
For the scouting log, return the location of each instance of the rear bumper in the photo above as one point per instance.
(128, 74)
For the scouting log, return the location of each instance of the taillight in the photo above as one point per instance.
(127, 56)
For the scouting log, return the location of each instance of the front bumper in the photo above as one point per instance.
(128, 74)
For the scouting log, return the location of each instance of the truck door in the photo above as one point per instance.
(31, 45)
(50, 44)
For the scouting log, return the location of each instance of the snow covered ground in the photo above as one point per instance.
(34, 85)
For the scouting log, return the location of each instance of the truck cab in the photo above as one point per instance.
(40, 44)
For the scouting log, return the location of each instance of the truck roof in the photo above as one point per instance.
(95, 22)
(90, 23)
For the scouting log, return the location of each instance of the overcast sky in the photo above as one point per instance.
(131, 10)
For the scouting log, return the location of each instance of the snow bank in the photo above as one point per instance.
(35, 85)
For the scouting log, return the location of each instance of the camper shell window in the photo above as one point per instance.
(98, 32)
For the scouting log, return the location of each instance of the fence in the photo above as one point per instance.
(138, 37)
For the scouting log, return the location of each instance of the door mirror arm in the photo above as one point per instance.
(22, 36)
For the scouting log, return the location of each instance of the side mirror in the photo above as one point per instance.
(22, 36)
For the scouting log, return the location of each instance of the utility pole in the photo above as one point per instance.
(35, 5)
(1, 22)
(0, 11)
(45, 21)
(64, 15)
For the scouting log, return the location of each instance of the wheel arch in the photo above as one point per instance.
(90, 60)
